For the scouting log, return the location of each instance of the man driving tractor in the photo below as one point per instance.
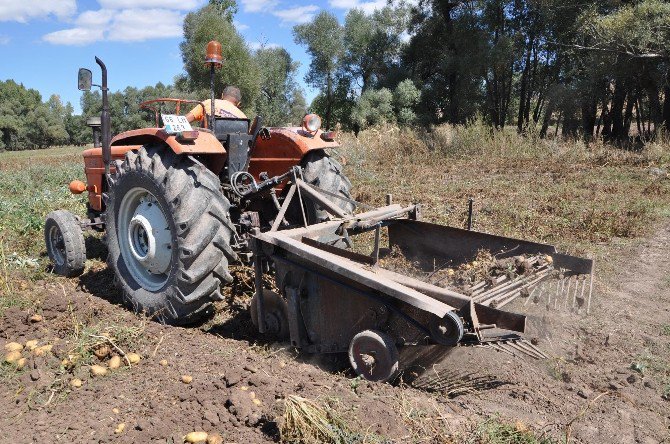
(226, 106)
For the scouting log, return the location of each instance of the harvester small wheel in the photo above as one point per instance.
(374, 356)
(447, 331)
(276, 314)
(65, 243)
(168, 234)
(322, 171)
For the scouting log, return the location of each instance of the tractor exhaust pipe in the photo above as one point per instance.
(105, 120)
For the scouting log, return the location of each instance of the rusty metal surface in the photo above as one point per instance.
(347, 268)
(431, 243)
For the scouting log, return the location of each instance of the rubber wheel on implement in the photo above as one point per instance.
(168, 234)
(322, 171)
(65, 243)
(276, 314)
(447, 331)
(374, 356)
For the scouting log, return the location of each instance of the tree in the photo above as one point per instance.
(372, 45)
(405, 99)
(324, 42)
(238, 68)
(375, 107)
(277, 84)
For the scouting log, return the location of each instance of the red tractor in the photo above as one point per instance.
(178, 206)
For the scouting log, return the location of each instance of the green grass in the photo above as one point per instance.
(33, 183)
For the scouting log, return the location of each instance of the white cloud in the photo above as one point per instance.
(94, 19)
(299, 14)
(132, 25)
(23, 11)
(128, 25)
(150, 4)
(240, 26)
(5, 39)
(74, 36)
(258, 5)
(368, 6)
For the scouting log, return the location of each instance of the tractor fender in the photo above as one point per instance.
(205, 143)
(285, 148)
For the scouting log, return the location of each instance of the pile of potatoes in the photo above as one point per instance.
(16, 354)
(112, 360)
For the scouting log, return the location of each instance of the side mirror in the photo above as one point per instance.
(84, 79)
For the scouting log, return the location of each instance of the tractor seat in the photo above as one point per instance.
(224, 127)
(235, 137)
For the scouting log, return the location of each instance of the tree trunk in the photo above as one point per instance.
(524, 87)
(617, 110)
(589, 112)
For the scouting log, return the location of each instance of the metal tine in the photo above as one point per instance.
(543, 271)
(574, 295)
(567, 292)
(532, 292)
(559, 289)
(503, 292)
(512, 295)
(531, 348)
(502, 349)
(588, 304)
(583, 289)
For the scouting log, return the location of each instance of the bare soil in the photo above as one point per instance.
(605, 383)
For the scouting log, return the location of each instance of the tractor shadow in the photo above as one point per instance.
(98, 279)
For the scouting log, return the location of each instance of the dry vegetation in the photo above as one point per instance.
(567, 193)
(585, 199)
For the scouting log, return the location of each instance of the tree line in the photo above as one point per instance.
(591, 69)
(594, 68)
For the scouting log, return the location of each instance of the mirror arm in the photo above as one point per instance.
(105, 120)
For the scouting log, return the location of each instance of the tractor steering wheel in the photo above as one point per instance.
(151, 106)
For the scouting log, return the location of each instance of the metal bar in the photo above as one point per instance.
(302, 206)
(284, 208)
(212, 98)
(318, 198)
(258, 283)
(470, 201)
(339, 251)
(375, 252)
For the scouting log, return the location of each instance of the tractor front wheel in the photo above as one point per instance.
(168, 234)
(65, 243)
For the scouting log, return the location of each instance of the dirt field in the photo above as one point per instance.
(608, 379)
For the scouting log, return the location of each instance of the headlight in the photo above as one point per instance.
(311, 123)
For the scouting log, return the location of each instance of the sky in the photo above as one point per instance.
(44, 42)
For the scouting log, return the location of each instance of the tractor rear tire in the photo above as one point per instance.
(65, 243)
(168, 234)
(322, 171)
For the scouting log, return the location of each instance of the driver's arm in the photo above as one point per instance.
(196, 113)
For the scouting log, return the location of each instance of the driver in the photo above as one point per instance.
(226, 106)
